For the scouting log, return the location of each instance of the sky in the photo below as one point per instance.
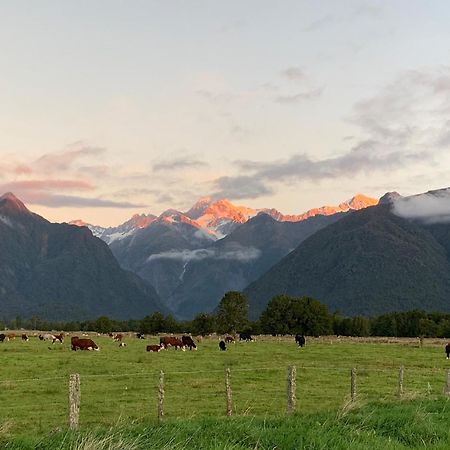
(110, 108)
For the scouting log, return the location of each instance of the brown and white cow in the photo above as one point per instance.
(229, 339)
(154, 348)
(83, 344)
(171, 341)
(118, 337)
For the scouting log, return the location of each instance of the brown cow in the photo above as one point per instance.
(171, 341)
(118, 337)
(83, 344)
(188, 342)
(25, 337)
(154, 348)
(229, 339)
(11, 336)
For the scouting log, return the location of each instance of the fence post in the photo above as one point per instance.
(161, 396)
(228, 394)
(400, 381)
(353, 384)
(291, 388)
(447, 385)
(74, 401)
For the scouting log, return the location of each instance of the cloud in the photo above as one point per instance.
(57, 201)
(180, 163)
(431, 207)
(320, 23)
(300, 97)
(294, 74)
(241, 186)
(60, 161)
(45, 185)
(243, 254)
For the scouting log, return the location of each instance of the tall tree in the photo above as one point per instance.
(232, 312)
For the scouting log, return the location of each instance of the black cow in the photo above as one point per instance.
(140, 335)
(447, 349)
(222, 346)
(3, 337)
(300, 339)
(245, 337)
(188, 342)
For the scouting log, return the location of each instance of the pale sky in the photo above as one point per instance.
(111, 108)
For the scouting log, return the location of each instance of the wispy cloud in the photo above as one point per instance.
(240, 253)
(179, 163)
(294, 73)
(46, 185)
(57, 201)
(300, 96)
(404, 125)
(61, 161)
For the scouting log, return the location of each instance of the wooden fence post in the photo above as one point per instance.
(353, 384)
(74, 401)
(400, 381)
(228, 393)
(161, 396)
(291, 388)
(447, 385)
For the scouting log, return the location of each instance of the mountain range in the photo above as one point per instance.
(193, 258)
(364, 256)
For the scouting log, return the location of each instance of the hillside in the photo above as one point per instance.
(63, 272)
(370, 262)
(238, 259)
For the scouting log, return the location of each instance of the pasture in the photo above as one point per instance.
(119, 386)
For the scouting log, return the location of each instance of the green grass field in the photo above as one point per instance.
(119, 385)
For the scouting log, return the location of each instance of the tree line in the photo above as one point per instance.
(283, 315)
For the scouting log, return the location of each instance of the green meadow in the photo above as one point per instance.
(119, 388)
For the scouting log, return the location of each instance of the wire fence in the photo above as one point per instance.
(258, 391)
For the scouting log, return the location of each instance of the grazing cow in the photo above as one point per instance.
(222, 346)
(25, 337)
(83, 344)
(171, 341)
(447, 349)
(47, 337)
(229, 339)
(154, 348)
(11, 336)
(58, 337)
(140, 335)
(188, 342)
(41, 338)
(122, 344)
(3, 337)
(300, 339)
(118, 337)
(245, 337)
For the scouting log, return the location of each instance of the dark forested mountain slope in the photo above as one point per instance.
(62, 272)
(369, 262)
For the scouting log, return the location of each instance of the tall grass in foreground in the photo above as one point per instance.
(373, 426)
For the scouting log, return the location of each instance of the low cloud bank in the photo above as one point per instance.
(240, 254)
(431, 207)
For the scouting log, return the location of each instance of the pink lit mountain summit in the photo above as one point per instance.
(193, 258)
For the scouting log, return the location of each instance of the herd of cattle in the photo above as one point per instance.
(165, 342)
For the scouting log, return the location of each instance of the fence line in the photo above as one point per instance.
(361, 369)
(290, 396)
